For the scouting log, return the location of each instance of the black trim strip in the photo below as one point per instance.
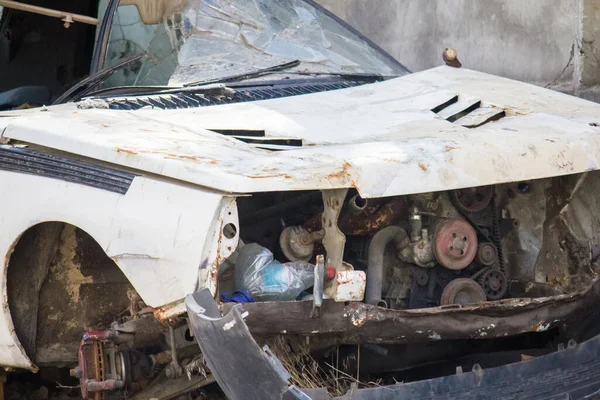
(103, 37)
(28, 161)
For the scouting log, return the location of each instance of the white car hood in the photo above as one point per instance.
(382, 139)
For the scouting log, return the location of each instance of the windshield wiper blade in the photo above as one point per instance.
(82, 87)
(346, 75)
(247, 75)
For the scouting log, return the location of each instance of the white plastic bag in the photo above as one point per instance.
(269, 280)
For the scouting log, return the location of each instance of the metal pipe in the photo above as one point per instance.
(375, 266)
(357, 205)
(416, 224)
(93, 385)
(63, 15)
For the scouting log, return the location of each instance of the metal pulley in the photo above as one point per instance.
(454, 243)
(297, 244)
(462, 291)
(473, 199)
(487, 254)
(494, 283)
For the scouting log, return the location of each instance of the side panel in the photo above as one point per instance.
(157, 233)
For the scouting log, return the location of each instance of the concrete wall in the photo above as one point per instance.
(545, 42)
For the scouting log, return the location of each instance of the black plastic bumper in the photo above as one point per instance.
(245, 371)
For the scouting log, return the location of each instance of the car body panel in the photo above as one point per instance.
(161, 235)
(382, 138)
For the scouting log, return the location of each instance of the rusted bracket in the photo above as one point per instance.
(334, 240)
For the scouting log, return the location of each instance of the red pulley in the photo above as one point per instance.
(454, 243)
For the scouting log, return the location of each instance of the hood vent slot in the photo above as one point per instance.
(468, 112)
(258, 139)
(445, 105)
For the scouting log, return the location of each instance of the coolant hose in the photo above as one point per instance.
(375, 267)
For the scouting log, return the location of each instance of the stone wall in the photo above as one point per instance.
(553, 43)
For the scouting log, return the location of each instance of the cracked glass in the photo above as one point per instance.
(195, 40)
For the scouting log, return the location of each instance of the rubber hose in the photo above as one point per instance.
(375, 266)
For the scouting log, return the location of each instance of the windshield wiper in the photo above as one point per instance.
(247, 75)
(82, 87)
(233, 82)
(346, 75)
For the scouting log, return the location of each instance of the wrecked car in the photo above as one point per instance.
(300, 187)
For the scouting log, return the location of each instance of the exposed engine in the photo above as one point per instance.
(417, 251)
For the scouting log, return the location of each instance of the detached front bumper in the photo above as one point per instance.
(242, 369)
(245, 371)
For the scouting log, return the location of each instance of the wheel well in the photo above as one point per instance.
(60, 283)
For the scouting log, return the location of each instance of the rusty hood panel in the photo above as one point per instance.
(382, 139)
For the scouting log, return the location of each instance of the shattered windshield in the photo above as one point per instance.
(193, 40)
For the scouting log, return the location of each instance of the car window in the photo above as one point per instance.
(207, 39)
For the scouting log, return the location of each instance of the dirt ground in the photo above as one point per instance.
(49, 384)
(56, 384)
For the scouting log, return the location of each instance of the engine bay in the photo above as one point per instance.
(411, 280)
(463, 246)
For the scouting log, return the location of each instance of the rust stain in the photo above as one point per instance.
(343, 173)
(192, 158)
(128, 151)
(423, 167)
(536, 327)
(185, 157)
(214, 272)
(384, 215)
(181, 157)
(286, 176)
(450, 148)
(171, 156)
(69, 271)
(511, 111)
(168, 313)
